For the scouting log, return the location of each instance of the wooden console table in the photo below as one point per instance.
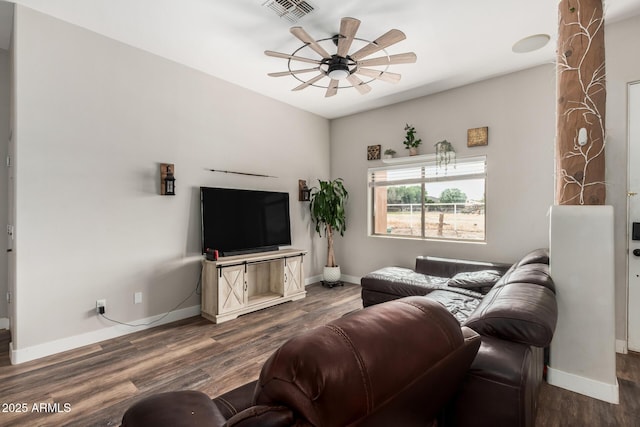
(236, 285)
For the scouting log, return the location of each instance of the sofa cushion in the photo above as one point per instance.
(535, 273)
(517, 311)
(448, 267)
(402, 282)
(460, 305)
(481, 281)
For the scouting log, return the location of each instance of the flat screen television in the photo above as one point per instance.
(236, 221)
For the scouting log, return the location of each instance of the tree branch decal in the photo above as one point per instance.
(581, 138)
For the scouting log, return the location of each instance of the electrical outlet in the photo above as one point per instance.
(137, 298)
(101, 303)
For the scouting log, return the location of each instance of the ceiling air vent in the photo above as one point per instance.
(291, 10)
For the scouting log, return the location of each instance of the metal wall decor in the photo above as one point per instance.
(167, 179)
(373, 152)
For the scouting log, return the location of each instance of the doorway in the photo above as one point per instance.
(633, 261)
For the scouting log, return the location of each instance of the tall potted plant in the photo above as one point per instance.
(328, 214)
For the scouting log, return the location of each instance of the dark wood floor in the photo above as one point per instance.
(100, 381)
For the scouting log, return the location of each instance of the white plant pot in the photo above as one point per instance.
(331, 274)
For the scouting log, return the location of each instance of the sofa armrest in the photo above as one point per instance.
(236, 400)
(449, 267)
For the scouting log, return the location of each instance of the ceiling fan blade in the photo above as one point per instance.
(289, 73)
(359, 84)
(309, 82)
(379, 75)
(332, 89)
(304, 37)
(287, 56)
(401, 58)
(387, 39)
(348, 29)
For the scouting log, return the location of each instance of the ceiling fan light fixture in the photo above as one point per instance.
(338, 70)
(343, 65)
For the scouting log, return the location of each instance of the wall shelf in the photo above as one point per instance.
(410, 159)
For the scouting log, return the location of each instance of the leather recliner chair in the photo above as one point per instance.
(396, 363)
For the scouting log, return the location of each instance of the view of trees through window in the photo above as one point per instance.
(455, 210)
(423, 200)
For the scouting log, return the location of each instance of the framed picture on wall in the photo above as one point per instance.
(477, 137)
(373, 152)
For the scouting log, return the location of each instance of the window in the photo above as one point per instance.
(422, 200)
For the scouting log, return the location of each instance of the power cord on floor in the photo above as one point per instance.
(196, 291)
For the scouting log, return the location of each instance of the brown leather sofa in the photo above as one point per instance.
(395, 364)
(514, 310)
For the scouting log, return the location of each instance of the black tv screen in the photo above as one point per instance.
(238, 221)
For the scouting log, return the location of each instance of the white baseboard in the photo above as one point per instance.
(311, 280)
(350, 279)
(588, 387)
(27, 354)
(4, 323)
(621, 347)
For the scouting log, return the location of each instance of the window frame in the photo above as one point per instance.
(426, 163)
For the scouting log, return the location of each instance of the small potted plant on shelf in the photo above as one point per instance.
(444, 153)
(388, 153)
(410, 142)
(328, 213)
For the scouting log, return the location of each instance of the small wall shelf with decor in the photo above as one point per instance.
(410, 159)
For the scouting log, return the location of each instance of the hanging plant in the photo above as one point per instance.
(444, 153)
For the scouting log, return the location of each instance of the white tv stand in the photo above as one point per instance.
(236, 285)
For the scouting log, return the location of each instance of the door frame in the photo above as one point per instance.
(629, 219)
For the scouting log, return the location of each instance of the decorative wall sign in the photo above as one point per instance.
(477, 137)
(373, 152)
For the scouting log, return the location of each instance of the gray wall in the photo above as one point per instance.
(519, 111)
(94, 118)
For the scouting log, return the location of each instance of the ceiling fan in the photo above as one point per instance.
(344, 66)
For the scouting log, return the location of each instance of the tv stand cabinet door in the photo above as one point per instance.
(293, 276)
(232, 289)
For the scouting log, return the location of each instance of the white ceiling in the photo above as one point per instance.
(457, 42)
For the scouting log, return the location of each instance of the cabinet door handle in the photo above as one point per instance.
(285, 277)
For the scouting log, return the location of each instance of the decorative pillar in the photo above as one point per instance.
(581, 248)
(581, 91)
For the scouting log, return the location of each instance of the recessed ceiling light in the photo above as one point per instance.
(531, 43)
